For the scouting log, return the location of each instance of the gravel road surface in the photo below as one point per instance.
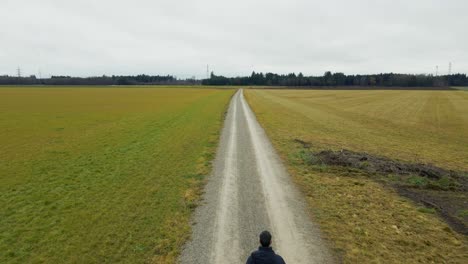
(250, 191)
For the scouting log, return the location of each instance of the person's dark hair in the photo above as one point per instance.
(265, 239)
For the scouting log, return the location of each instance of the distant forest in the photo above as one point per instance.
(267, 79)
(142, 79)
(340, 79)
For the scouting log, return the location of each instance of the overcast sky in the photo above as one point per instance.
(180, 37)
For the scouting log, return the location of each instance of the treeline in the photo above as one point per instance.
(267, 79)
(340, 79)
(142, 79)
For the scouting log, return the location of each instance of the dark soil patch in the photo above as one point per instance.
(380, 165)
(448, 204)
(446, 191)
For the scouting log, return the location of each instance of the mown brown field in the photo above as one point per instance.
(362, 215)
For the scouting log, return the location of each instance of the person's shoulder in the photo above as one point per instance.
(279, 259)
(249, 260)
(255, 252)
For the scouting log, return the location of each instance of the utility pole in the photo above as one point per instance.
(449, 77)
(207, 71)
(18, 72)
(437, 70)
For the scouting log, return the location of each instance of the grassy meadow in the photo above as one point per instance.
(365, 220)
(94, 175)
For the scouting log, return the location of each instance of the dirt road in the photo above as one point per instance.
(249, 192)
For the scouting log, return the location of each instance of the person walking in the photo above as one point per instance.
(265, 254)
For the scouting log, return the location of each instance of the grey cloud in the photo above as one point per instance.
(235, 37)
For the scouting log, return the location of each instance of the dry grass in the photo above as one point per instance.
(93, 175)
(364, 220)
(428, 126)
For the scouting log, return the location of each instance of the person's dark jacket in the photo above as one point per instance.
(265, 255)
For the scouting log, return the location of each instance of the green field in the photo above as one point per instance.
(92, 175)
(362, 215)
